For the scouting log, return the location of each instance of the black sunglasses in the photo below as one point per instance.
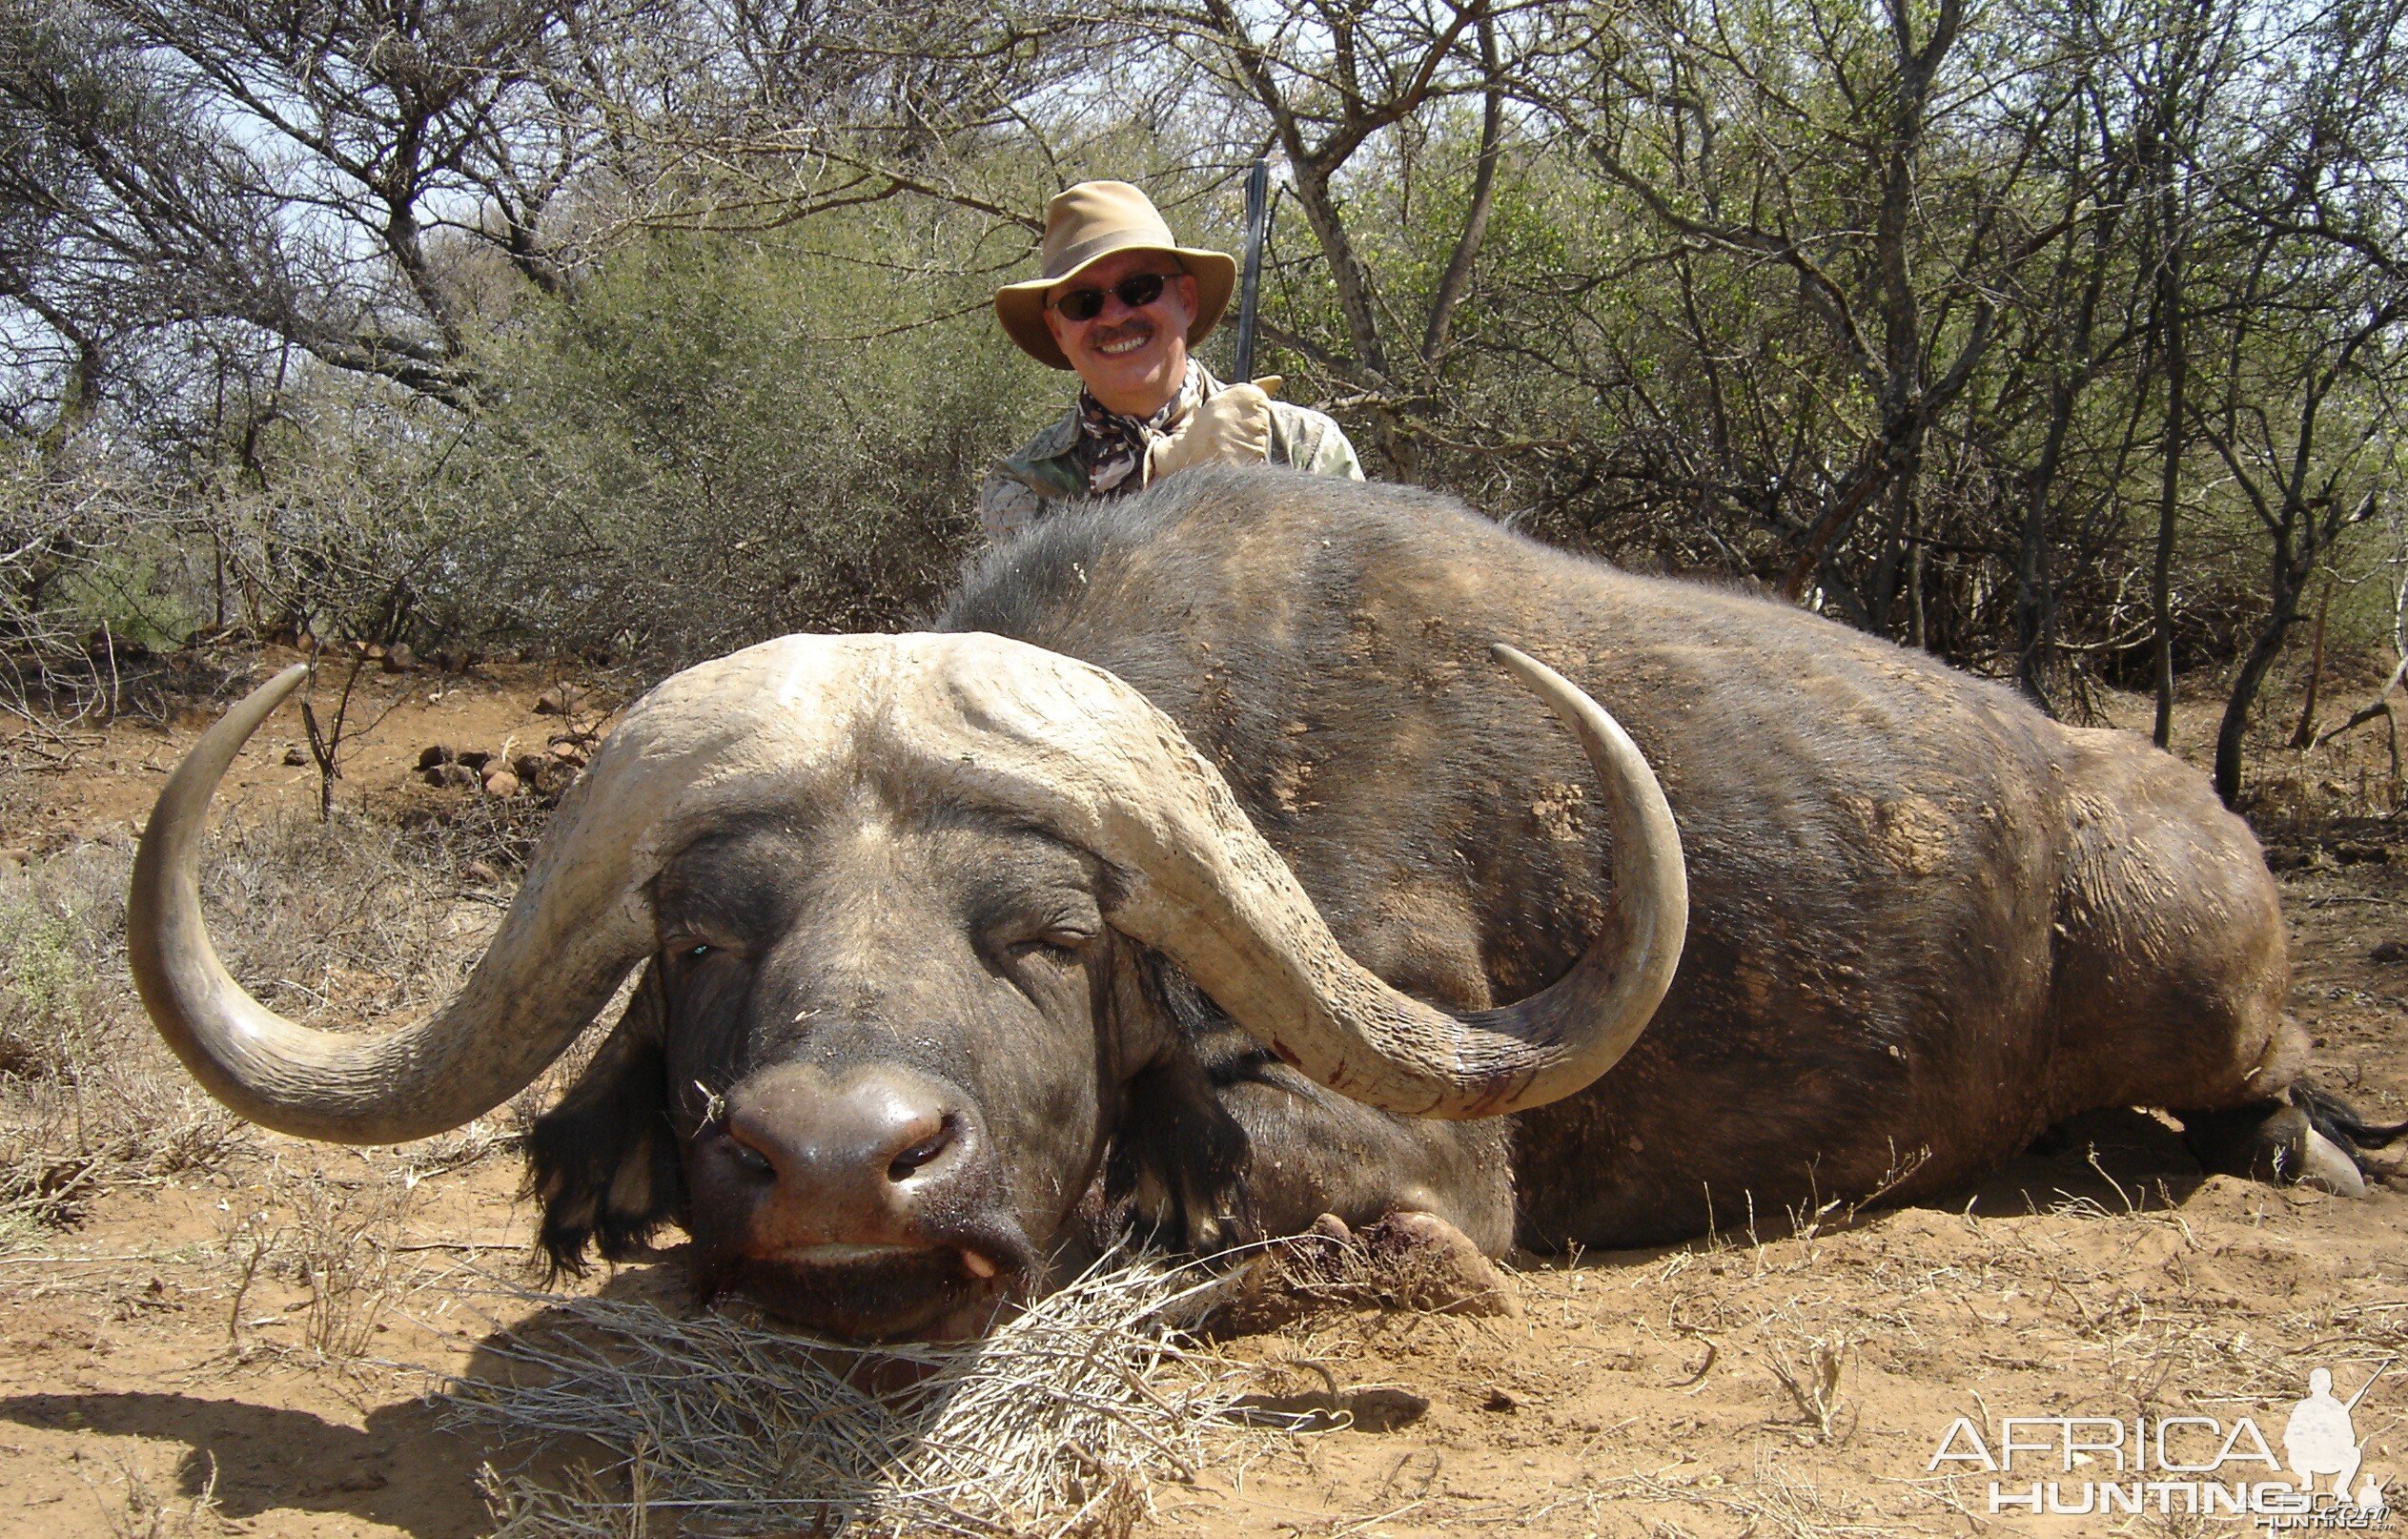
(1136, 290)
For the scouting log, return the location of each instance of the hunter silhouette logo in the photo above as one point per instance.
(2322, 1439)
(2197, 1466)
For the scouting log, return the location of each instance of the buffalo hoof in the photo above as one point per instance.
(1431, 1264)
(2274, 1142)
(2328, 1167)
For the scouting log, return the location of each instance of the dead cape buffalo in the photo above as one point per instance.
(1206, 842)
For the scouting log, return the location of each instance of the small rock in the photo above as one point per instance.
(569, 754)
(294, 757)
(2390, 954)
(478, 872)
(501, 783)
(527, 766)
(476, 759)
(1496, 1400)
(433, 755)
(450, 774)
(397, 657)
(558, 700)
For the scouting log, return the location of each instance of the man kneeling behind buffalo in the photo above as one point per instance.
(1121, 302)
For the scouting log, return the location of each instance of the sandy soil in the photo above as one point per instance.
(1797, 1381)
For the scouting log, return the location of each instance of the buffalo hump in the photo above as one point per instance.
(1926, 921)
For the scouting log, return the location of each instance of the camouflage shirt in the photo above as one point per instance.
(1056, 464)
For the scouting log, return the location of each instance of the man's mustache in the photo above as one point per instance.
(1134, 326)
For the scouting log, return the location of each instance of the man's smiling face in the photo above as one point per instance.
(1131, 361)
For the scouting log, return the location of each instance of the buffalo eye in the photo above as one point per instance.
(686, 953)
(1066, 940)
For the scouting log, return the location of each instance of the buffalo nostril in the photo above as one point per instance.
(909, 1161)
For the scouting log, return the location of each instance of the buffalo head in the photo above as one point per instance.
(895, 892)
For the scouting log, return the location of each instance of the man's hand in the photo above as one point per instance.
(1232, 428)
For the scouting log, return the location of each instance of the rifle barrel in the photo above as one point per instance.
(2382, 1370)
(1250, 285)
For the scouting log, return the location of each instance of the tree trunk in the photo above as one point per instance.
(2305, 733)
(2262, 653)
(2286, 579)
(2034, 595)
(2170, 484)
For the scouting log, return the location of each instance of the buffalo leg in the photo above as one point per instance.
(1308, 1152)
(1222, 1144)
(2270, 1140)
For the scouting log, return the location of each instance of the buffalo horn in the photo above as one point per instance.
(561, 952)
(1095, 760)
(1033, 733)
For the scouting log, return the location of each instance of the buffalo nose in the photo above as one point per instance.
(852, 1160)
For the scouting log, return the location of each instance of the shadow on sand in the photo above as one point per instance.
(2122, 1161)
(401, 1469)
(2116, 1161)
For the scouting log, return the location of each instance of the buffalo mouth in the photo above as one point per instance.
(874, 1293)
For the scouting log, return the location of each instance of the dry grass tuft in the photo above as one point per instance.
(1774, 1500)
(87, 1097)
(339, 1239)
(1059, 1423)
(341, 924)
(1812, 1375)
(141, 1513)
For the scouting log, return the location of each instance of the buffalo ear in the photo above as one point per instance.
(1174, 1173)
(602, 1164)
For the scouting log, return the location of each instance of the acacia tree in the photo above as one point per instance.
(1330, 88)
(316, 172)
(2299, 296)
(1839, 149)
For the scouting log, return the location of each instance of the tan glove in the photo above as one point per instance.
(1232, 428)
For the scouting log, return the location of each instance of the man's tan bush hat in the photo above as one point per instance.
(1086, 223)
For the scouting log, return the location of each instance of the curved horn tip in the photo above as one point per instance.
(1324, 1013)
(342, 1087)
(1521, 664)
(255, 708)
(285, 679)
